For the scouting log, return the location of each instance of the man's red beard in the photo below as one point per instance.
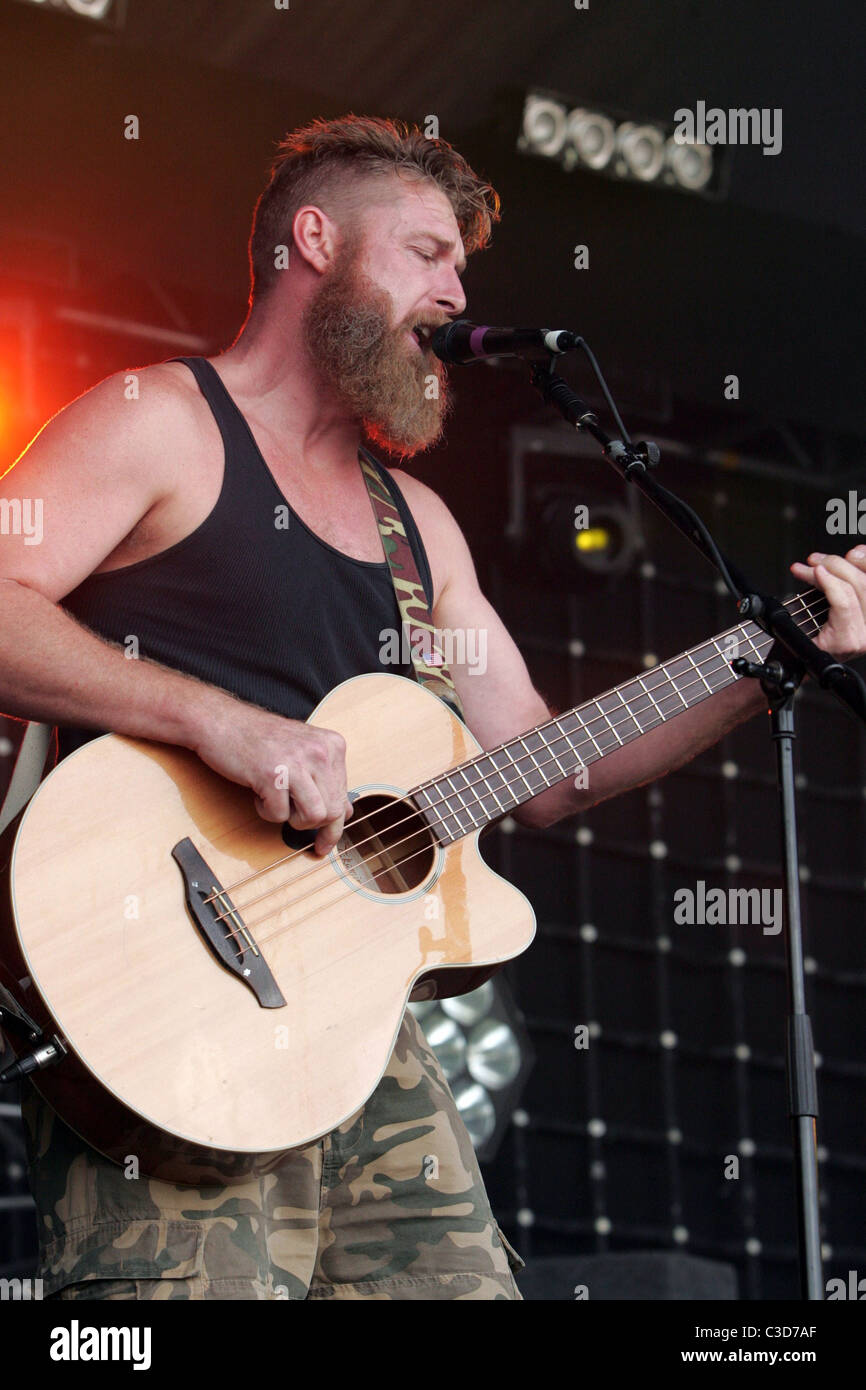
(400, 396)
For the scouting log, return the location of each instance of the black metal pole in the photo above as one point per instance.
(802, 1084)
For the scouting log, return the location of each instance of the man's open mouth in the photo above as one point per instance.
(422, 332)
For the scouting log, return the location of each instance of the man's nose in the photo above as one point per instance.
(450, 297)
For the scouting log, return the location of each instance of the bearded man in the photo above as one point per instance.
(160, 521)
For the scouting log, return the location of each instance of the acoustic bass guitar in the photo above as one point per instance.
(218, 996)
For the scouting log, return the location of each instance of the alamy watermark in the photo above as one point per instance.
(737, 126)
(22, 516)
(846, 516)
(729, 907)
(465, 647)
(20, 1290)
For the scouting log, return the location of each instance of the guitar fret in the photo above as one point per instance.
(619, 723)
(610, 727)
(530, 754)
(649, 693)
(485, 791)
(714, 665)
(584, 728)
(723, 674)
(676, 689)
(700, 673)
(504, 783)
(520, 776)
(507, 782)
(549, 746)
(463, 808)
(459, 791)
(814, 627)
(429, 812)
(681, 675)
(745, 640)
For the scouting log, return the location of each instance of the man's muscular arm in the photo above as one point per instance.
(501, 702)
(99, 468)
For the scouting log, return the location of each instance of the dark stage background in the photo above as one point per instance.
(115, 253)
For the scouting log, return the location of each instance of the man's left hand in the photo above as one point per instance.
(843, 580)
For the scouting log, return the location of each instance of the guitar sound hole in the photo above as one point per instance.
(387, 846)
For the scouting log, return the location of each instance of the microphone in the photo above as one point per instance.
(462, 342)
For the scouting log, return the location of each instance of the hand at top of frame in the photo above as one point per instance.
(843, 580)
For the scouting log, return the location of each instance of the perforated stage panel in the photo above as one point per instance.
(664, 1125)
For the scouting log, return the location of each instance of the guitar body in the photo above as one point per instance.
(172, 1057)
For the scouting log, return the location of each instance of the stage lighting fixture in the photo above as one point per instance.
(617, 146)
(544, 126)
(483, 1049)
(103, 11)
(448, 1041)
(608, 543)
(477, 1111)
(493, 1054)
(641, 148)
(468, 1009)
(593, 138)
(691, 166)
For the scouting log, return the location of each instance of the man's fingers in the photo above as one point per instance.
(845, 582)
(844, 633)
(804, 572)
(308, 806)
(329, 836)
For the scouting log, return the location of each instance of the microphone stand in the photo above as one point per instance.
(792, 655)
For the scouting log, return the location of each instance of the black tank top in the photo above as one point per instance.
(265, 610)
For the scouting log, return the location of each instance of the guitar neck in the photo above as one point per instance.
(479, 791)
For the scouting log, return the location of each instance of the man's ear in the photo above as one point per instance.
(316, 237)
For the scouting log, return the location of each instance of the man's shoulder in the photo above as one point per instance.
(132, 405)
(422, 500)
(159, 388)
(444, 542)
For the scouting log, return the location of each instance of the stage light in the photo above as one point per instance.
(691, 166)
(90, 9)
(448, 1041)
(614, 145)
(595, 538)
(593, 138)
(477, 1112)
(102, 11)
(470, 1008)
(483, 1049)
(607, 542)
(493, 1054)
(544, 126)
(642, 150)
(610, 545)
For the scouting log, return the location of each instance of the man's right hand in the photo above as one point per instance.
(297, 772)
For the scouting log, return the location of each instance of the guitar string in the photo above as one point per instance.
(443, 800)
(267, 917)
(613, 724)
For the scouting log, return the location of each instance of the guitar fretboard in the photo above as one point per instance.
(479, 791)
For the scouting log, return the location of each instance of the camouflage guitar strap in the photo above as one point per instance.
(428, 661)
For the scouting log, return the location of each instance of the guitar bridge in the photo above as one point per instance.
(222, 928)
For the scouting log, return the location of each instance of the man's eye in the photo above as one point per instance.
(424, 255)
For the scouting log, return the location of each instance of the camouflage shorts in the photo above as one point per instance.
(391, 1205)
